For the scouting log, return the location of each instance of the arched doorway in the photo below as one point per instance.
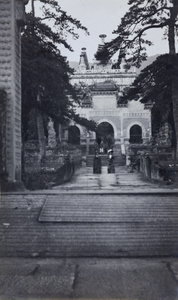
(105, 134)
(136, 134)
(74, 135)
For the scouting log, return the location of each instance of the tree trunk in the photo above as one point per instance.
(171, 35)
(171, 29)
(33, 7)
(41, 136)
(172, 50)
(175, 106)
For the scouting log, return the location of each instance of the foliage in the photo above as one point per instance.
(83, 92)
(131, 43)
(46, 74)
(154, 86)
(142, 16)
(89, 124)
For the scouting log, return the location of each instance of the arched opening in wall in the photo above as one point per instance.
(105, 134)
(74, 135)
(136, 135)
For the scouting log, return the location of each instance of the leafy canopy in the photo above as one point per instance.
(45, 72)
(154, 86)
(131, 41)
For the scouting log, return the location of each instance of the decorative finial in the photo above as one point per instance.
(103, 36)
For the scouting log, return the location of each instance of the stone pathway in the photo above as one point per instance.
(121, 180)
(65, 242)
(89, 278)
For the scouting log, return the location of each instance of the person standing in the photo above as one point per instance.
(99, 141)
(101, 147)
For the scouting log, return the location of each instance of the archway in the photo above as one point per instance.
(136, 134)
(74, 135)
(104, 129)
(105, 134)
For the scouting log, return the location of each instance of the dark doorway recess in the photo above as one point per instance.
(136, 135)
(74, 135)
(104, 129)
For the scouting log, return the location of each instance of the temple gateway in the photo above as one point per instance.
(128, 123)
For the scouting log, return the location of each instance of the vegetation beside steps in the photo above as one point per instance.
(55, 169)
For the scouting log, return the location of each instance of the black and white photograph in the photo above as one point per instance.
(89, 149)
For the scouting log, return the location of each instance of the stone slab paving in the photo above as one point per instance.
(35, 256)
(125, 279)
(121, 180)
(139, 279)
(23, 278)
(83, 179)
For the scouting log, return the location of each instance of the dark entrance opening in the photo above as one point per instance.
(105, 135)
(105, 129)
(74, 135)
(136, 135)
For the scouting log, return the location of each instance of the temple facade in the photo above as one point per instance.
(126, 123)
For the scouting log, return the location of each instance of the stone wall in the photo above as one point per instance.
(2, 135)
(56, 168)
(159, 167)
(11, 18)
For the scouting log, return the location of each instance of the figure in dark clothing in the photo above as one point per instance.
(97, 164)
(96, 147)
(105, 144)
(111, 167)
(98, 141)
(101, 147)
(109, 141)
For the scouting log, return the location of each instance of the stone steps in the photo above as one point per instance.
(108, 209)
(94, 226)
(93, 240)
(118, 160)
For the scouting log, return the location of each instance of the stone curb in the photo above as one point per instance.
(100, 191)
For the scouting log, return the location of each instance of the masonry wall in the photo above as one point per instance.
(11, 17)
(121, 78)
(121, 118)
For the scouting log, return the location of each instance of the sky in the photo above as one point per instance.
(101, 17)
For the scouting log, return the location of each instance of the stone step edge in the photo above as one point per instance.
(97, 192)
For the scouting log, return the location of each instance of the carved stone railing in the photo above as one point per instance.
(104, 112)
(136, 114)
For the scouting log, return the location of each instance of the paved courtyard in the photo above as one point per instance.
(123, 180)
(131, 279)
(98, 236)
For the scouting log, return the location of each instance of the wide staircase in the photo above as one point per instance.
(101, 225)
(89, 225)
(119, 158)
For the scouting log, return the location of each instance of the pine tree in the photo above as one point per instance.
(46, 88)
(131, 41)
(153, 86)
